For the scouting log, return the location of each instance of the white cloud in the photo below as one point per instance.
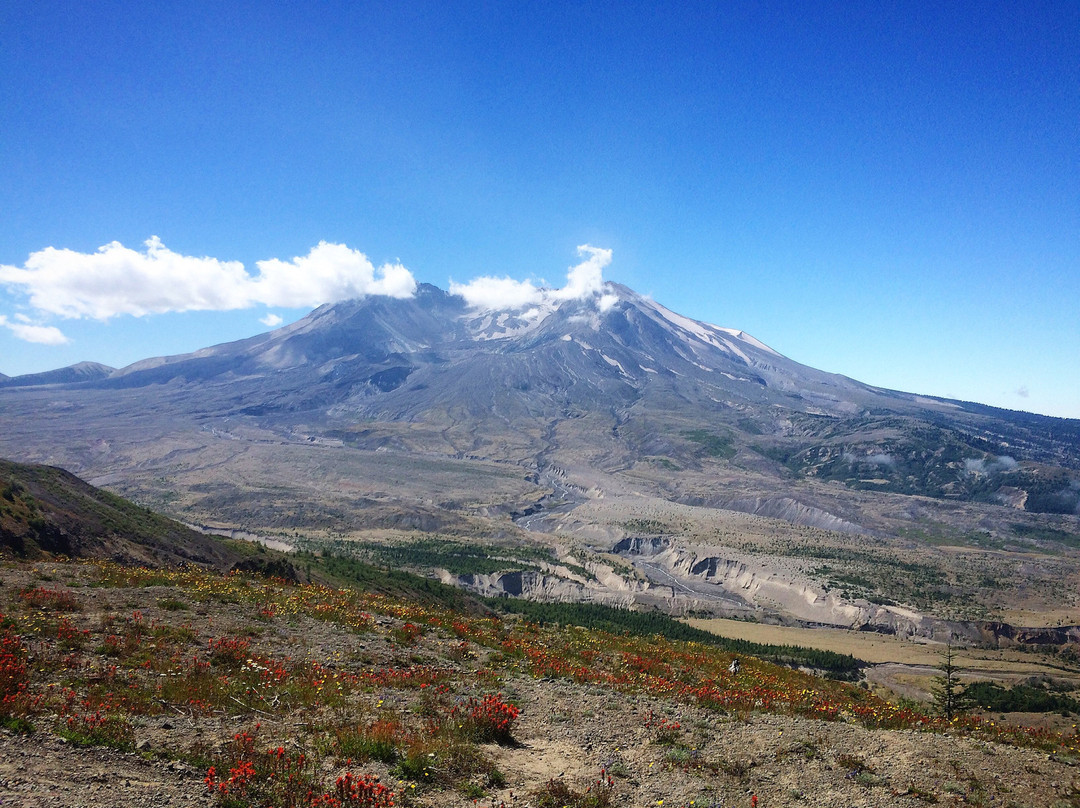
(328, 273)
(41, 334)
(606, 302)
(587, 278)
(271, 320)
(991, 466)
(584, 282)
(497, 294)
(118, 280)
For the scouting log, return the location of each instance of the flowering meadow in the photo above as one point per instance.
(311, 695)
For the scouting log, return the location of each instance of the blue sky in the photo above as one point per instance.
(889, 191)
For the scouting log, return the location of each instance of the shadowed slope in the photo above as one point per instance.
(48, 510)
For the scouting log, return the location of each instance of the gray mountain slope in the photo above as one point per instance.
(73, 374)
(411, 355)
(568, 385)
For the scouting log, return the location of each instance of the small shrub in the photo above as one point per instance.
(417, 763)
(678, 756)
(867, 779)
(56, 600)
(98, 729)
(667, 732)
(69, 637)
(407, 634)
(14, 675)
(17, 724)
(739, 769)
(853, 763)
(557, 793)
(617, 768)
(925, 795)
(361, 791)
(440, 759)
(273, 776)
(227, 651)
(379, 741)
(15, 699)
(473, 791)
(486, 720)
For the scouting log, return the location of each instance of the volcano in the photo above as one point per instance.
(589, 421)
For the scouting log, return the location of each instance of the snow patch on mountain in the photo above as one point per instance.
(712, 335)
(742, 335)
(614, 363)
(493, 325)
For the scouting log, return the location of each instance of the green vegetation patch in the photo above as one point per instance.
(647, 526)
(368, 577)
(647, 624)
(884, 577)
(750, 427)
(455, 557)
(1048, 534)
(711, 444)
(1018, 699)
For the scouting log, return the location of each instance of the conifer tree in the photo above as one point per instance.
(947, 690)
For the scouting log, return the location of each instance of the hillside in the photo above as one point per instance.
(49, 511)
(176, 685)
(181, 688)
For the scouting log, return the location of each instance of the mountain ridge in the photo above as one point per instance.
(72, 374)
(49, 511)
(429, 415)
(431, 356)
(480, 325)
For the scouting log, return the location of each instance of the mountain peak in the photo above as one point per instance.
(588, 341)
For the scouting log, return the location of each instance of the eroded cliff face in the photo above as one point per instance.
(789, 510)
(541, 586)
(768, 585)
(685, 579)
